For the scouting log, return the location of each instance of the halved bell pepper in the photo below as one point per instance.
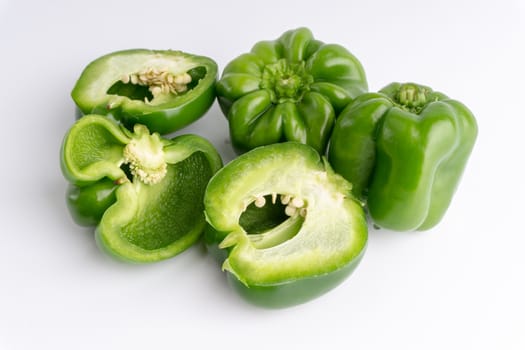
(289, 89)
(404, 149)
(144, 193)
(286, 224)
(164, 90)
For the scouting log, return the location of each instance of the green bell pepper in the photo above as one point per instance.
(144, 193)
(404, 149)
(164, 90)
(285, 225)
(289, 89)
(88, 203)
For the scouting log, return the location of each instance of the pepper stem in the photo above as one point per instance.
(412, 97)
(286, 81)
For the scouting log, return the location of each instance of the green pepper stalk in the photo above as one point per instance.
(143, 193)
(285, 224)
(163, 90)
(289, 89)
(404, 149)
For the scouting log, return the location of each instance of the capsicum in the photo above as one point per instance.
(289, 89)
(144, 193)
(288, 227)
(164, 90)
(404, 149)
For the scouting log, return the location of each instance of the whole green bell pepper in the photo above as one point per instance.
(144, 193)
(164, 90)
(404, 149)
(289, 89)
(287, 225)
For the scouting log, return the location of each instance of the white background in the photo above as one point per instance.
(458, 286)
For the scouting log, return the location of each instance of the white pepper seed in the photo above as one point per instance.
(179, 88)
(179, 79)
(156, 90)
(297, 202)
(290, 210)
(285, 199)
(159, 81)
(260, 202)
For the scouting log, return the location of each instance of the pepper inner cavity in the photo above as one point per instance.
(149, 83)
(267, 212)
(272, 220)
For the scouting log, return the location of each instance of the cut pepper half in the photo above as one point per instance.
(164, 90)
(287, 223)
(144, 193)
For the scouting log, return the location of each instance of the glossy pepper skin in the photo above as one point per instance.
(289, 89)
(143, 193)
(164, 90)
(284, 224)
(88, 203)
(404, 149)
